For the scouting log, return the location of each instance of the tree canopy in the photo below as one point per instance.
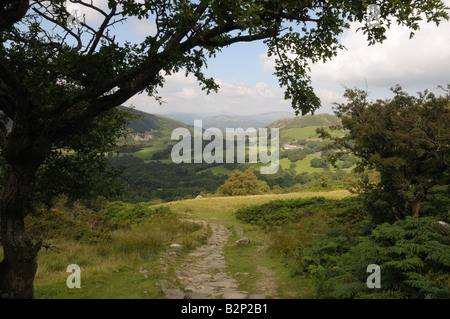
(406, 139)
(243, 183)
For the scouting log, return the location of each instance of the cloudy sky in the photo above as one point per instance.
(247, 85)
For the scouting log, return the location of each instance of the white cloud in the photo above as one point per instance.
(264, 90)
(91, 16)
(329, 97)
(420, 63)
(186, 93)
(421, 60)
(143, 27)
(183, 94)
(267, 63)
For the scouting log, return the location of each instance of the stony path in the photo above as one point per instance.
(203, 271)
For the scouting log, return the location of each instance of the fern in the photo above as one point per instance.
(413, 256)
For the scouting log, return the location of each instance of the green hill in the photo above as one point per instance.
(317, 120)
(150, 129)
(149, 122)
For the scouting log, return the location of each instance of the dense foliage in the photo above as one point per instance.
(413, 255)
(166, 181)
(406, 139)
(75, 221)
(47, 224)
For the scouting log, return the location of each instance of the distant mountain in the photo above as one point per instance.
(222, 121)
(226, 121)
(307, 120)
(187, 118)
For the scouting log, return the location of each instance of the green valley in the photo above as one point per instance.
(168, 181)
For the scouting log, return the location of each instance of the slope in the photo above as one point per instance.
(305, 121)
(149, 122)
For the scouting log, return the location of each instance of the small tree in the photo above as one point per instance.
(324, 182)
(243, 183)
(406, 139)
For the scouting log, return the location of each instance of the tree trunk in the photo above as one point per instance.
(19, 265)
(415, 208)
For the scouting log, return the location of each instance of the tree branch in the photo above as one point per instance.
(68, 31)
(102, 28)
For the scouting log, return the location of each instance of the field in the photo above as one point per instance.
(303, 165)
(297, 134)
(147, 152)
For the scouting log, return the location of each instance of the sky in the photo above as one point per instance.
(248, 86)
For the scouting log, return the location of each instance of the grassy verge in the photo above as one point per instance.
(111, 268)
(261, 270)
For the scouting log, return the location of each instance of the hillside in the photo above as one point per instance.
(150, 122)
(151, 129)
(306, 121)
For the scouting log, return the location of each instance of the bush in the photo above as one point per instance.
(295, 224)
(319, 163)
(54, 223)
(280, 212)
(137, 213)
(277, 212)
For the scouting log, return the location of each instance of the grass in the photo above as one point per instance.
(304, 165)
(220, 169)
(220, 209)
(111, 269)
(301, 166)
(267, 271)
(304, 133)
(299, 133)
(147, 152)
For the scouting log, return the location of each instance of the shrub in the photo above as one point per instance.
(319, 163)
(54, 223)
(281, 212)
(297, 223)
(137, 213)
